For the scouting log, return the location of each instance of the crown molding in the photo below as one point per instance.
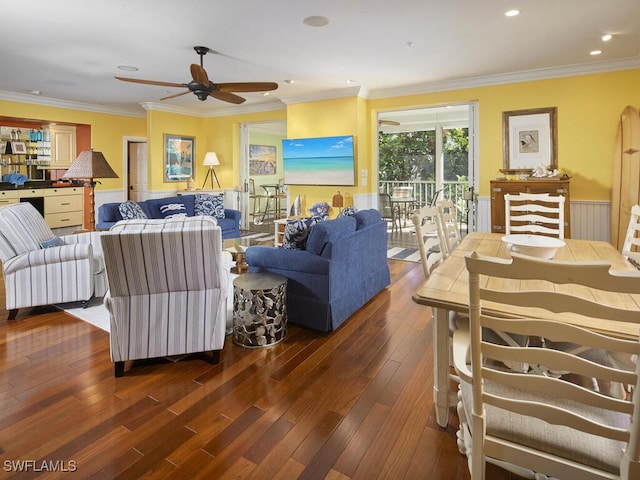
(515, 77)
(54, 102)
(354, 91)
(218, 112)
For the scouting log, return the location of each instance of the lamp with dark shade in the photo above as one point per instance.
(90, 165)
(210, 160)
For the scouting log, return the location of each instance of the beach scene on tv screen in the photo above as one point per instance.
(319, 161)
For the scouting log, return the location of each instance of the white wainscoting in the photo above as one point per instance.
(590, 220)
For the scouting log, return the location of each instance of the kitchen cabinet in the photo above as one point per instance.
(63, 146)
(551, 186)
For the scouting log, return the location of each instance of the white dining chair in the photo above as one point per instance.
(449, 222)
(539, 426)
(430, 238)
(537, 213)
(631, 246)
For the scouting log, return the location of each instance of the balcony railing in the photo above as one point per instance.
(425, 191)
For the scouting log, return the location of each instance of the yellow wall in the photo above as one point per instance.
(344, 116)
(589, 108)
(223, 137)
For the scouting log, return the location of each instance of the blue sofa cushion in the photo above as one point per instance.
(325, 232)
(131, 211)
(365, 218)
(208, 204)
(173, 210)
(297, 231)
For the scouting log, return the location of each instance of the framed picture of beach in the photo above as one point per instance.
(262, 160)
(319, 161)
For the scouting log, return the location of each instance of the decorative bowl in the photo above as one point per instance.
(533, 245)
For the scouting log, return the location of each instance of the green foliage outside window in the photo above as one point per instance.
(407, 156)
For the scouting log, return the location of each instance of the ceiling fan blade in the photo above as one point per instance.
(176, 95)
(227, 97)
(151, 82)
(199, 74)
(246, 87)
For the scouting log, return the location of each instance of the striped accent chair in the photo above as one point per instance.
(169, 281)
(40, 268)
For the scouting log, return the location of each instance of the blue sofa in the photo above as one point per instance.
(343, 266)
(109, 214)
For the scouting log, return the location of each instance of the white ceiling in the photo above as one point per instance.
(70, 49)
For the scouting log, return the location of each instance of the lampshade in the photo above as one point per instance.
(90, 164)
(210, 158)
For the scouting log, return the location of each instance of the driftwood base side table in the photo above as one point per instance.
(259, 309)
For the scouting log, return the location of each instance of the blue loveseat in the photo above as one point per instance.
(109, 214)
(343, 266)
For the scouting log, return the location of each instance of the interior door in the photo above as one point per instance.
(136, 170)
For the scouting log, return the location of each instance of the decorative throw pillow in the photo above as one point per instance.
(131, 211)
(320, 208)
(296, 232)
(208, 204)
(52, 242)
(173, 210)
(347, 212)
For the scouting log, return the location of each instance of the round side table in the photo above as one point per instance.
(259, 309)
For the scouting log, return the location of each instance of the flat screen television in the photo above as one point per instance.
(319, 161)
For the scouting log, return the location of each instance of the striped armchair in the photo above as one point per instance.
(40, 268)
(168, 286)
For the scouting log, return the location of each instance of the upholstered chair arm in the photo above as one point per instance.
(92, 238)
(48, 256)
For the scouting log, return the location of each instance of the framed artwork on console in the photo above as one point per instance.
(529, 139)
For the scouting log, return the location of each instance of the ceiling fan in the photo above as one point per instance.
(203, 88)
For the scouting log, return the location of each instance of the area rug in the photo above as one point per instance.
(406, 254)
(95, 313)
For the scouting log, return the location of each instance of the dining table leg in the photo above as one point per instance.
(442, 394)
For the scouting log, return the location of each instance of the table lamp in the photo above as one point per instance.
(211, 159)
(90, 165)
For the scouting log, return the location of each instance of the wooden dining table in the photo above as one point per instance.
(447, 289)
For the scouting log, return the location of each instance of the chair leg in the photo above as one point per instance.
(119, 369)
(214, 358)
(13, 313)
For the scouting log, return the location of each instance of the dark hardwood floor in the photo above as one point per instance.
(354, 404)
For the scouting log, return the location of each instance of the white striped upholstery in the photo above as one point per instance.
(168, 286)
(35, 276)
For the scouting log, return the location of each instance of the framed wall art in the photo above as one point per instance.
(179, 154)
(262, 160)
(530, 139)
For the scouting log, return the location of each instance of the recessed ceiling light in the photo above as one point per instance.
(127, 68)
(512, 13)
(410, 44)
(595, 52)
(607, 37)
(316, 21)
